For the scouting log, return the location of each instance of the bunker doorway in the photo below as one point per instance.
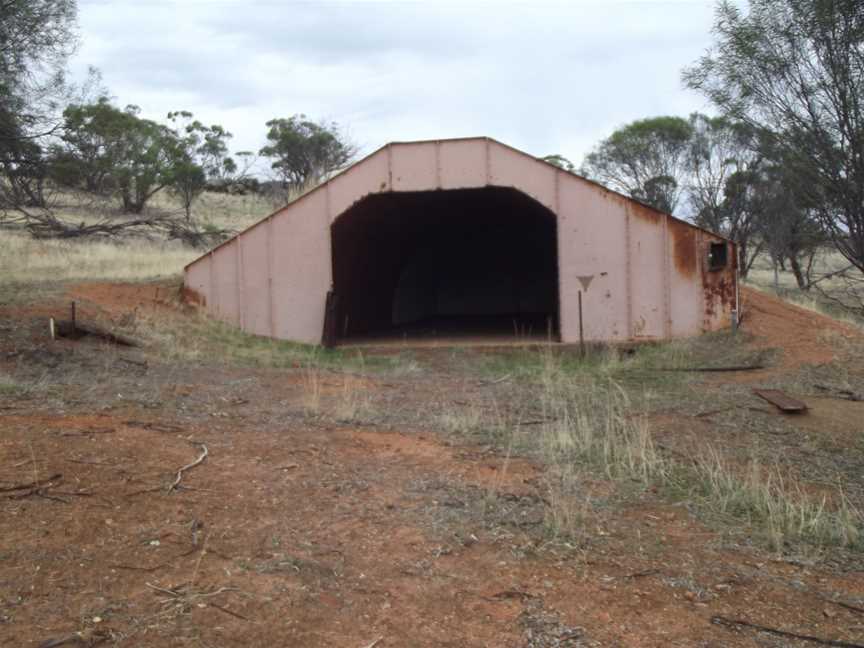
(472, 265)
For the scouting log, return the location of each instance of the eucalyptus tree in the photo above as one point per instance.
(36, 38)
(794, 71)
(305, 152)
(646, 159)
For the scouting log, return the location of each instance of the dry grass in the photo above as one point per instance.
(348, 401)
(25, 259)
(353, 400)
(774, 504)
(592, 428)
(591, 423)
(8, 385)
(473, 418)
(313, 389)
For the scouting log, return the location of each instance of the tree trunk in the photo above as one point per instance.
(776, 274)
(743, 267)
(803, 284)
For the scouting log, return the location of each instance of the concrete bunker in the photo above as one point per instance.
(468, 263)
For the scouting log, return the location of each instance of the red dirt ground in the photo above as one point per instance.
(300, 531)
(803, 335)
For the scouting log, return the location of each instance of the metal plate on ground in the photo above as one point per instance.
(781, 400)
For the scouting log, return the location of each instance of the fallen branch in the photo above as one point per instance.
(39, 483)
(227, 611)
(87, 433)
(143, 569)
(713, 369)
(843, 604)
(87, 637)
(190, 466)
(643, 573)
(137, 363)
(155, 427)
(75, 331)
(845, 394)
(737, 624)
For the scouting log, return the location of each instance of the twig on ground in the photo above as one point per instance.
(374, 643)
(155, 427)
(643, 573)
(227, 611)
(716, 411)
(36, 483)
(136, 568)
(843, 604)
(91, 463)
(200, 558)
(736, 624)
(88, 432)
(845, 394)
(87, 637)
(714, 369)
(190, 466)
(139, 363)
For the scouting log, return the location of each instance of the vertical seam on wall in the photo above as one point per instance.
(214, 294)
(628, 272)
(700, 263)
(270, 310)
(667, 281)
(239, 268)
(389, 167)
(488, 162)
(558, 250)
(438, 164)
(328, 240)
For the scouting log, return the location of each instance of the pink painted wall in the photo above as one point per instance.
(592, 244)
(643, 274)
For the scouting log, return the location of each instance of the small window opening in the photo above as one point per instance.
(717, 256)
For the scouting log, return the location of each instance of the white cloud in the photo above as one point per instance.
(543, 76)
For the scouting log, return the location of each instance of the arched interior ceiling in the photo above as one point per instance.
(455, 262)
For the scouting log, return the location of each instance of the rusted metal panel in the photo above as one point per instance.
(685, 280)
(781, 400)
(647, 263)
(719, 286)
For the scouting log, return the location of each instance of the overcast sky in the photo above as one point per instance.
(546, 77)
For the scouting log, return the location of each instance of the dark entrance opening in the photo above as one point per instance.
(458, 264)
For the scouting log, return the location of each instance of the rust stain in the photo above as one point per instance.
(683, 248)
(193, 297)
(718, 285)
(645, 213)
